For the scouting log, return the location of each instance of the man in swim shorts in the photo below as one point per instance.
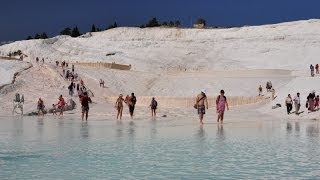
(201, 104)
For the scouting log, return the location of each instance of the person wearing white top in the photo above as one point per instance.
(297, 104)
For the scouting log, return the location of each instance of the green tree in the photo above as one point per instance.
(177, 23)
(37, 36)
(29, 37)
(142, 26)
(75, 32)
(115, 25)
(93, 28)
(165, 23)
(153, 23)
(43, 36)
(66, 31)
(201, 21)
(171, 23)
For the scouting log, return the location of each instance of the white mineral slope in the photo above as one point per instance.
(8, 68)
(180, 62)
(281, 46)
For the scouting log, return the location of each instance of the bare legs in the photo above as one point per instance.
(119, 112)
(220, 117)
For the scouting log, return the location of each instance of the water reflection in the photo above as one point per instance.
(153, 129)
(84, 131)
(313, 130)
(201, 134)
(131, 129)
(297, 126)
(119, 130)
(289, 127)
(220, 132)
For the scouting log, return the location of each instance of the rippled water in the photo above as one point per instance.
(32, 148)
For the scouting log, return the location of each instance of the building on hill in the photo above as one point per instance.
(200, 26)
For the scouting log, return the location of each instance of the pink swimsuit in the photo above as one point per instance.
(221, 105)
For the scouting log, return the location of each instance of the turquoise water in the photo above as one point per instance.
(32, 148)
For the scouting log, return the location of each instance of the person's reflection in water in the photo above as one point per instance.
(119, 130)
(201, 134)
(153, 129)
(131, 129)
(297, 126)
(84, 131)
(220, 132)
(40, 125)
(313, 130)
(289, 127)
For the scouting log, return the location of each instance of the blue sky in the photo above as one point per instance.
(20, 18)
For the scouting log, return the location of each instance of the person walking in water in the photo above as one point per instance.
(132, 104)
(260, 90)
(85, 100)
(221, 104)
(311, 102)
(288, 103)
(317, 68)
(312, 70)
(297, 104)
(61, 105)
(153, 106)
(201, 104)
(40, 107)
(119, 106)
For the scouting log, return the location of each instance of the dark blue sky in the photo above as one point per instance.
(20, 18)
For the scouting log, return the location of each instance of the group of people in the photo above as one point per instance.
(269, 89)
(130, 101)
(37, 60)
(312, 103)
(312, 68)
(201, 104)
(59, 107)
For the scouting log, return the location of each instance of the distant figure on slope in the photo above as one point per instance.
(311, 101)
(72, 68)
(119, 106)
(132, 104)
(316, 106)
(40, 107)
(54, 109)
(101, 82)
(61, 105)
(85, 100)
(273, 95)
(70, 88)
(269, 86)
(42, 60)
(221, 104)
(288, 103)
(37, 59)
(201, 104)
(260, 90)
(317, 68)
(153, 106)
(312, 70)
(297, 103)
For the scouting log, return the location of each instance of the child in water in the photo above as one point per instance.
(54, 109)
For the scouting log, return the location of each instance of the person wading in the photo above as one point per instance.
(85, 100)
(201, 104)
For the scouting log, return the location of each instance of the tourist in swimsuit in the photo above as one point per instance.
(201, 104)
(289, 103)
(119, 106)
(61, 105)
(221, 104)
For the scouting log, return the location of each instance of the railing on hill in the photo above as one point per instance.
(106, 65)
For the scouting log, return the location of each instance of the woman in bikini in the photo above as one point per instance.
(119, 106)
(221, 104)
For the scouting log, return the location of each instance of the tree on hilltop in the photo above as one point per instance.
(43, 36)
(153, 23)
(66, 31)
(37, 36)
(201, 21)
(93, 28)
(75, 32)
(171, 23)
(29, 37)
(177, 23)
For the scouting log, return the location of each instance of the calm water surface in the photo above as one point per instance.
(32, 148)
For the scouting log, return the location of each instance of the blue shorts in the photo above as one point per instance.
(201, 109)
